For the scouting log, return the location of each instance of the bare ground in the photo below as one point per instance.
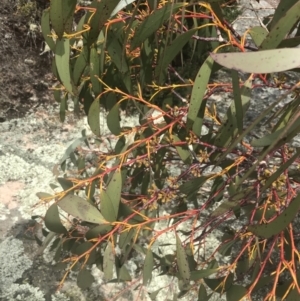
(25, 75)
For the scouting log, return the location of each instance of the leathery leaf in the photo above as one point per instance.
(183, 265)
(148, 267)
(81, 209)
(52, 220)
(62, 62)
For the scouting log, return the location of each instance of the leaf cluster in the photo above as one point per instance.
(183, 169)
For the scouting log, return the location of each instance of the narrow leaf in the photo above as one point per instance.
(107, 207)
(94, 117)
(182, 261)
(148, 267)
(198, 92)
(113, 120)
(280, 223)
(56, 17)
(281, 29)
(153, 22)
(266, 61)
(183, 151)
(62, 61)
(108, 261)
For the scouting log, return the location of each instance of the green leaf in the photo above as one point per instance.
(153, 22)
(113, 120)
(183, 151)
(107, 207)
(236, 293)
(126, 237)
(80, 64)
(280, 11)
(102, 13)
(123, 273)
(97, 231)
(85, 279)
(148, 267)
(65, 184)
(52, 220)
(114, 189)
(86, 248)
(63, 108)
(279, 134)
(95, 70)
(200, 274)
(81, 209)
(46, 30)
(281, 29)
(183, 265)
(62, 61)
(266, 61)
(280, 223)
(258, 34)
(56, 17)
(237, 110)
(198, 92)
(108, 262)
(220, 285)
(94, 117)
(172, 50)
(43, 195)
(68, 10)
(192, 186)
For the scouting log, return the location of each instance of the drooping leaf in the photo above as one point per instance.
(52, 220)
(126, 237)
(107, 207)
(148, 267)
(94, 117)
(62, 61)
(153, 22)
(280, 223)
(113, 120)
(122, 273)
(108, 261)
(80, 64)
(172, 50)
(56, 17)
(95, 70)
(183, 265)
(46, 30)
(183, 151)
(198, 92)
(81, 209)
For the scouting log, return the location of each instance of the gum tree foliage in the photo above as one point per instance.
(184, 165)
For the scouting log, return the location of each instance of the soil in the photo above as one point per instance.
(25, 75)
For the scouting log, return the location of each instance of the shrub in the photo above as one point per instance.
(183, 170)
